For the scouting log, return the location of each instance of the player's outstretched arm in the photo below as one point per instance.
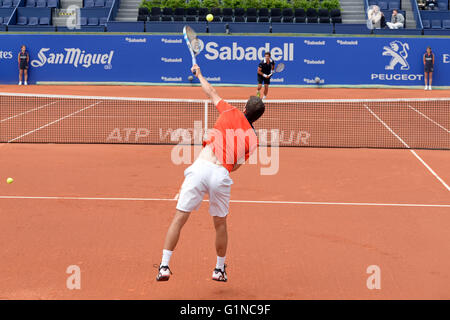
(206, 86)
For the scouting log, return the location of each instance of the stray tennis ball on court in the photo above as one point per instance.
(9, 180)
(190, 78)
(209, 17)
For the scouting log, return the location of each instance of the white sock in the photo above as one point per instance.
(166, 257)
(220, 263)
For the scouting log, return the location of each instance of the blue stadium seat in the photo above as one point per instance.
(300, 16)
(288, 15)
(394, 5)
(263, 15)
(324, 16)
(335, 15)
(99, 3)
(426, 24)
(446, 24)
(7, 4)
(92, 21)
(22, 20)
(239, 15)
(1, 20)
(383, 5)
(167, 14)
(33, 21)
(103, 21)
(191, 14)
(178, 14)
(155, 14)
(15, 3)
(44, 21)
(275, 15)
(52, 4)
(202, 12)
(83, 21)
(227, 15)
(31, 3)
(41, 4)
(443, 5)
(109, 3)
(251, 15)
(311, 14)
(89, 3)
(436, 24)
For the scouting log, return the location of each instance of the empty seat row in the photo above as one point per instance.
(93, 21)
(98, 3)
(33, 21)
(4, 20)
(241, 15)
(386, 4)
(8, 3)
(41, 3)
(436, 24)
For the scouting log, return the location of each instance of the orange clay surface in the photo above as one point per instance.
(308, 232)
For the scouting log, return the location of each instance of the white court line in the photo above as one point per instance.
(23, 113)
(238, 201)
(53, 122)
(426, 117)
(408, 147)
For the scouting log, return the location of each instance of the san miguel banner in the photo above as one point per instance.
(225, 59)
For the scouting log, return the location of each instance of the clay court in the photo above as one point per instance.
(308, 232)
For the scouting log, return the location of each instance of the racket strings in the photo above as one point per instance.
(193, 40)
(280, 67)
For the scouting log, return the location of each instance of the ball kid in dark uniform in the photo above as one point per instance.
(265, 69)
(428, 62)
(23, 59)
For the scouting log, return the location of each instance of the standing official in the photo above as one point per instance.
(23, 59)
(428, 62)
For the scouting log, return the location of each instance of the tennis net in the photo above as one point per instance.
(350, 123)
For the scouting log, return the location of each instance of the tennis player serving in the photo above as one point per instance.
(227, 146)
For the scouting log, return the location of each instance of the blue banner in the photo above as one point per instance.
(225, 59)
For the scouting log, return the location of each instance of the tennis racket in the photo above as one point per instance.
(279, 68)
(193, 43)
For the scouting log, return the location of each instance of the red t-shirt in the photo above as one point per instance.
(232, 138)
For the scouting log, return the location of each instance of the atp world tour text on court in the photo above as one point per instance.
(267, 157)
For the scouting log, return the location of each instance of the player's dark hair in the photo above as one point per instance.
(254, 109)
(267, 53)
(22, 46)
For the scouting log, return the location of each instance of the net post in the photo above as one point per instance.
(206, 118)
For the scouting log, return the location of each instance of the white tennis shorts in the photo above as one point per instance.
(205, 177)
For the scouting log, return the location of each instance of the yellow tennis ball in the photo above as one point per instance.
(9, 180)
(210, 17)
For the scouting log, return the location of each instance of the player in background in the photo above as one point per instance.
(428, 62)
(265, 68)
(228, 145)
(23, 59)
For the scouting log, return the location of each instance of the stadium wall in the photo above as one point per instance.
(143, 59)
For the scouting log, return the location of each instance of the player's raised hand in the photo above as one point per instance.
(196, 70)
